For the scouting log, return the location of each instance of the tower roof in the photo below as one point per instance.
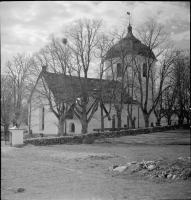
(130, 45)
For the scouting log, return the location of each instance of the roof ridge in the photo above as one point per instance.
(89, 78)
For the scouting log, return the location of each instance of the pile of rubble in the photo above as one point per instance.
(178, 169)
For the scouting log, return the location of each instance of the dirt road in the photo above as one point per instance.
(80, 172)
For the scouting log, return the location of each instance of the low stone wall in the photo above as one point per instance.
(89, 138)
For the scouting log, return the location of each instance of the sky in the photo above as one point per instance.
(27, 25)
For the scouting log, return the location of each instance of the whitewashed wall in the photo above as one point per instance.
(50, 121)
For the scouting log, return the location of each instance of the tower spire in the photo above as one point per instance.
(129, 28)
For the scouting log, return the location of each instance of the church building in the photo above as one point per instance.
(51, 89)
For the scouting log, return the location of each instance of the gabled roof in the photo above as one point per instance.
(68, 88)
(130, 45)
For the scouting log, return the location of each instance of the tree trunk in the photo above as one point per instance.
(187, 120)
(180, 119)
(146, 118)
(187, 117)
(158, 121)
(29, 119)
(84, 123)
(169, 121)
(119, 119)
(133, 123)
(130, 117)
(158, 117)
(6, 130)
(102, 118)
(61, 128)
(84, 120)
(84, 127)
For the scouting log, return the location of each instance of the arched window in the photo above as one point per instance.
(144, 69)
(119, 70)
(72, 127)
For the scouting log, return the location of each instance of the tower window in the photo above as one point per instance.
(144, 69)
(119, 70)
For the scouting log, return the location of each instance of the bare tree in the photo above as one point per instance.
(104, 43)
(152, 34)
(57, 57)
(181, 80)
(81, 39)
(118, 62)
(129, 55)
(6, 103)
(175, 93)
(148, 80)
(159, 113)
(162, 83)
(169, 104)
(18, 71)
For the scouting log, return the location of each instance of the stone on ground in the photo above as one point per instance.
(120, 169)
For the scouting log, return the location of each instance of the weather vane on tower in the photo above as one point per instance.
(129, 16)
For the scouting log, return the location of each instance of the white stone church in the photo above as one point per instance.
(42, 120)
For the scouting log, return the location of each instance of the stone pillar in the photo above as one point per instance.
(16, 136)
